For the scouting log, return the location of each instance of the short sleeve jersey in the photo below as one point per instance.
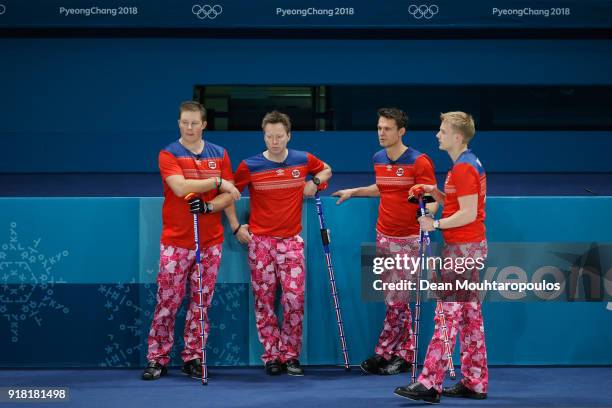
(177, 221)
(466, 177)
(276, 191)
(396, 215)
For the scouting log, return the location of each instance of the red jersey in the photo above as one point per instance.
(277, 191)
(177, 228)
(467, 177)
(396, 215)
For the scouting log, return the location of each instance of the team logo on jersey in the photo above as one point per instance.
(280, 172)
(389, 167)
(212, 165)
(295, 173)
(399, 172)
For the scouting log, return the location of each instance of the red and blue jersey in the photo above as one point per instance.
(466, 177)
(276, 191)
(394, 178)
(177, 221)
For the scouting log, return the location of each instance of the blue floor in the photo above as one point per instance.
(321, 387)
(149, 184)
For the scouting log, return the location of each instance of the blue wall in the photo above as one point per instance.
(80, 274)
(109, 105)
(513, 152)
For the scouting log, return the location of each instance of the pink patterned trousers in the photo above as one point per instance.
(273, 261)
(464, 318)
(396, 336)
(175, 266)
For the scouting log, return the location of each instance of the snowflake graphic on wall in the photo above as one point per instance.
(27, 282)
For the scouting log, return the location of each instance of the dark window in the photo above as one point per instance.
(353, 107)
(243, 107)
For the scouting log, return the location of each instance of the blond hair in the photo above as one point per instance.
(461, 122)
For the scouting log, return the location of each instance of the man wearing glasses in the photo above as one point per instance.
(277, 184)
(188, 165)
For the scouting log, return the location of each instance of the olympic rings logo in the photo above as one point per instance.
(423, 10)
(2, 9)
(206, 11)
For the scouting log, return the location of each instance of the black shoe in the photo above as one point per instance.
(293, 367)
(395, 366)
(418, 392)
(459, 390)
(193, 368)
(273, 367)
(373, 364)
(153, 371)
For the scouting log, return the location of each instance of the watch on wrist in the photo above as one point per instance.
(436, 224)
(316, 181)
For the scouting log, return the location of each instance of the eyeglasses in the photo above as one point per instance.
(275, 138)
(189, 125)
